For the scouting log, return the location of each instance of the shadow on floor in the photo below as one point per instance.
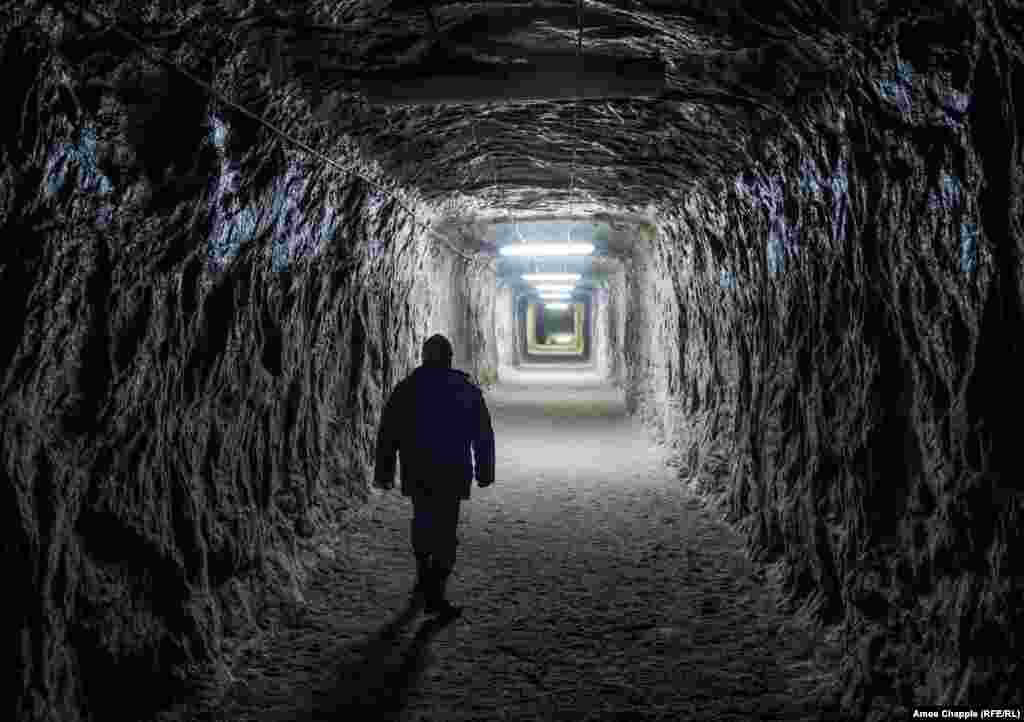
(374, 678)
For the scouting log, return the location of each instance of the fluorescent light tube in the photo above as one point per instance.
(547, 249)
(551, 276)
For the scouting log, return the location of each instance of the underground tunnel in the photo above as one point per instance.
(740, 283)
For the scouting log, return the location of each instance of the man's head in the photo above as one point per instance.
(437, 351)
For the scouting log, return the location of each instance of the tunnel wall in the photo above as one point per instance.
(199, 337)
(611, 302)
(607, 332)
(465, 310)
(602, 332)
(519, 307)
(505, 326)
(833, 340)
(650, 349)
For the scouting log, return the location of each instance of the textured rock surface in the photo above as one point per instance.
(603, 332)
(725, 64)
(464, 308)
(203, 320)
(200, 333)
(505, 327)
(833, 341)
(616, 311)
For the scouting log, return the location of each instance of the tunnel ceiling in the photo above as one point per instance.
(505, 108)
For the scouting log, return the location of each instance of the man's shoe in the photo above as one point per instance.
(420, 592)
(436, 603)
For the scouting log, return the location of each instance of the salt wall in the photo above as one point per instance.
(199, 335)
(202, 322)
(505, 326)
(832, 340)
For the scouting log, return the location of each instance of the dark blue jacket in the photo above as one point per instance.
(431, 420)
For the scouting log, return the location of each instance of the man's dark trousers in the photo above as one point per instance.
(435, 520)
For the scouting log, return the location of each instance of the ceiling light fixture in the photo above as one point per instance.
(548, 249)
(542, 287)
(550, 277)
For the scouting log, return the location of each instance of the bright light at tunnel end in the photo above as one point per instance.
(548, 249)
(551, 276)
(557, 306)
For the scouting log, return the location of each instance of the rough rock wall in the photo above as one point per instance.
(583, 317)
(848, 359)
(464, 311)
(615, 311)
(199, 335)
(652, 360)
(586, 323)
(520, 312)
(481, 296)
(602, 332)
(504, 326)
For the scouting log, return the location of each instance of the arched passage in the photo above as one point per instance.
(228, 230)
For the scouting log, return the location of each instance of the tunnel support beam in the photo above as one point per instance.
(554, 77)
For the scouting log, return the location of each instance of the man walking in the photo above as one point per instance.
(432, 419)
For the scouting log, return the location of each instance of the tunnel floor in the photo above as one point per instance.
(595, 587)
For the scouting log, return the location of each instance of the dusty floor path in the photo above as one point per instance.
(596, 588)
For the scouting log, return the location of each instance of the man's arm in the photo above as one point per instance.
(387, 444)
(483, 446)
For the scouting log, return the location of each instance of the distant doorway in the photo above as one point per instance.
(555, 329)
